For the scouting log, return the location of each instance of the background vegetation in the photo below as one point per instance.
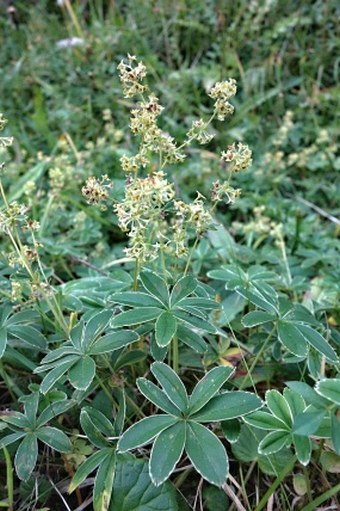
(69, 120)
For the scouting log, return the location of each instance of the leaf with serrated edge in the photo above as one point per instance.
(329, 388)
(274, 442)
(228, 405)
(171, 384)
(279, 407)
(144, 431)
(206, 388)
(157, 396)
(166, 452)
(206, 453)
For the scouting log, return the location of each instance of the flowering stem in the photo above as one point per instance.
(190, 255)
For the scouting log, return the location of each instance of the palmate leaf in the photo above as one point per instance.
(274, 442)
(136, 316)
(228, 405)
(94, 327)
(208, 387)
(266, 421)
(82, 373)
(308, 422)
(206, 453)
(155, 286)
(303, 448)
(292, 339)
(133, 489)
(318, 342)
(55, 438)
(113, 341)
(55, 374)
(157, 396)
(183, 287)
(279, 407)
(256, 318)
(103, 483)
(165, 328)
(166, 452)
(86, 468)
(329, 388)
(26, 456)
(191, 339)
(144, 431)
(194, 321)
(172, 385)
(136, 299)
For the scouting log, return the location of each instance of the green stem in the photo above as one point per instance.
(175, 364)
(258, 356)
(190, 256)
(9, 479)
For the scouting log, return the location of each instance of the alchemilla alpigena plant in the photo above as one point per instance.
(86, 332)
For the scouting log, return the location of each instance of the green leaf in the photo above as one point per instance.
(94, 327)
(87, 467)
(231, 430)
(91, 429)
(266, 421)
(98, 420)
(103, 483)
(26, 456)
(76, 335)
(54, 409)
(17, 419)
(256, 318)
(136, 299)
(308, 394)
(171, 384)
(295, 401)
(200, 303)
(144, 431)
(279, 407)
(195, 321)
(292, 339)
(157, 396)
(191, 339)
(303, 448)
(82, 373)
(206, 453)
(10, 439)
(330, 389)
(31, 403)
(54, 438)
(29, 335)
(318, 342)
(136, 316)
(53, 376)
(228, 405)
(308, 422)
(165, 328)
(133, 489)
(156, 286)
(274, 442)
(3, 340)
(166, 452)
(207, 387)
(113, 341)
(183, 287)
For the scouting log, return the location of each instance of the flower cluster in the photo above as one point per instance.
(238, 158)
(142, 214)
(222, 92)
(96, 191)
(224, 192)
(131, 75)
(198, 132)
